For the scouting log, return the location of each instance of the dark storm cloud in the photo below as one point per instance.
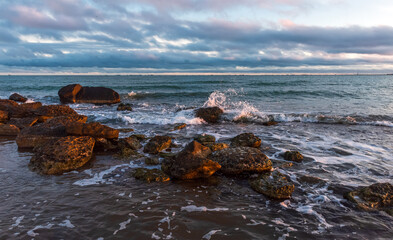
(129, 34)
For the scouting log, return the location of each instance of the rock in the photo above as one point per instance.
(131, 142)
(179, 126)
(152, 161)
(65, 120)
(68, 93)
(8, 130)
(39, 134)
(7, 103)
(209, 114)
(105, 145)
(311, 180)
(340, 152)
(274, 185)
(140, 137)
(55, 111)
(23, 122)
(218, 146)
(246, 140)
(242, 160)
(75, 93)
(150, 175)
(3, 116)
(125, 130)
(18, 98)
(293, 156)
(205, 139)
(63, 155)
(191, 163)
(378, 196)
(126, 153)
(23, 110)
(157, 144)
(124, 107)
(93, 129)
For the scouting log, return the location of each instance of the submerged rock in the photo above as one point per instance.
(75, 93)
(274, 185)
(63, 155)
(157, 144)
(205, 139)
(378, 196)
(179, 126)
(270, 123)
(293, 156)
(150, 175)
(93, 129)
(242, 160)
(8, 130)
(152, 161)
(246, 140)
(209, 114)
(191, 163)
(131, 142)
(124, 107)
(18, 98)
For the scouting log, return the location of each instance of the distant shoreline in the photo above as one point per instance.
(194, 74)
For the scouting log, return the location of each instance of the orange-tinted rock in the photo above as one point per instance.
(55, 111)
(94, 129)
(3, 116)
(273, 184)
(191, 163)
(68, 93)
(246, 140)
(23, 122)
(38, 134)
(65, 154)
(157, 144)
(65, 120)
(8, 130)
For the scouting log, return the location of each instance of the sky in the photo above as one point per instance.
(196, 36)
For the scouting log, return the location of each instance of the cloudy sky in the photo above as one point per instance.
(148, 36)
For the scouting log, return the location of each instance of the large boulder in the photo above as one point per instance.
(55, 111)
(65, 120)
(39, 134)
(18, 98)
(274, 185)
(131, 142)
(68, 93)
(75, 93)
(191, 163)
(93, 129)
(242, 160)
(63, 155)
(19, 111)
(8, 130)
(246, 140)
(378, 196)
(157, 144)
(209, 114)
(23, 122)
(3, 116)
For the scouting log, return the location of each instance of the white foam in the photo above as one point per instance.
(307, 209)
(193, 208)
(31, 232)
(17, 220)
(210, 234)
(66, 223)
(132, 94)
(123, 225)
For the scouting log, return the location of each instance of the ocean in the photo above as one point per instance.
(342, 124)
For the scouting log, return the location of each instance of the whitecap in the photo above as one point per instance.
(193, 208)
(208, 235)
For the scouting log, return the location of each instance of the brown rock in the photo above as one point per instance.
(209, 114)
(131, 142)
(18, 98)
(3, 116)
(378, 196)
(150, 175)
(8, 130)
(242, 160)
(124, 107)
(246, 140)
(20, 111)
(205, 139)
(157, 144)
(191, 163)
(55, 111)
(93, 129)
(39, 134)
(63, 155)
(68, 93)
(274, 185)
(75, 93)
(218, 146)
(105, 145)
(23, 122)
(293, 156)
(179, 126)
(65, 120)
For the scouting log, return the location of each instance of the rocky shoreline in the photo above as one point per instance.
(62, 141)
